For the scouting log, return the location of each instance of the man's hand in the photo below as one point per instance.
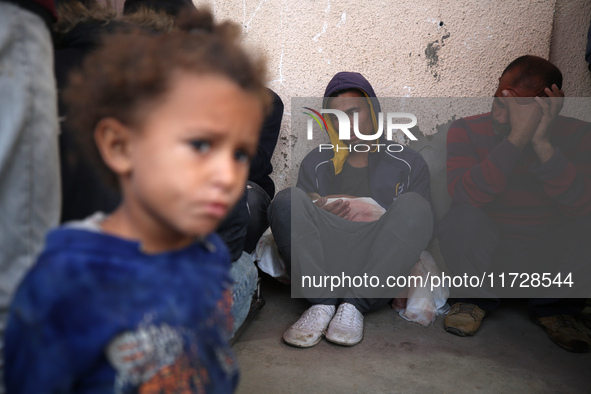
(338, 207)
(524, 115)
(551, 107)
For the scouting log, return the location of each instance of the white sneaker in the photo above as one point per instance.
(346, 328)
(310, 328)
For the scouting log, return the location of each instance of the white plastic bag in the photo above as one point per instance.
(422, 304)
(268, 258)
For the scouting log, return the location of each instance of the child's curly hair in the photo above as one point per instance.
(134, 68)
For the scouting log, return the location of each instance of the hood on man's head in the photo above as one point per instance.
(340, 82)
(345, 80)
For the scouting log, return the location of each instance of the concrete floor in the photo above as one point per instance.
(508, 354)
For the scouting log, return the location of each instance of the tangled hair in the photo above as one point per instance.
(73, 12)
(134, 69)
(158, 21)
(534, 72)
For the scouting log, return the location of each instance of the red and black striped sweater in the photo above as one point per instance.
(526, 198)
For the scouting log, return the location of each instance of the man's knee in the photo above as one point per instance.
(409, 219)
(258, 199)
(258, 203)
(413, 202)
(280, 203)
(412, 211)
(287, 200)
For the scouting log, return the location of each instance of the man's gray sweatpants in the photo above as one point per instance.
(316, 243)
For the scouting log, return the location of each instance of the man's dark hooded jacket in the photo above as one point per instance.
(390, 173)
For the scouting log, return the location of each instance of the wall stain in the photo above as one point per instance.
(432, 54)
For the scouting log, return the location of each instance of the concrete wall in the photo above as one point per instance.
(415, 48)
(568, 43)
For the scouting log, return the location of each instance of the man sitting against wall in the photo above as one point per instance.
(520, 180)
(321, 237)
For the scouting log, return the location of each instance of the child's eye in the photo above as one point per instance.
(242, 157)
(201, 145)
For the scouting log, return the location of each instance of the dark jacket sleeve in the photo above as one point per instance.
(420, 179)
(306, 178)
(316, 173)
(261, 166)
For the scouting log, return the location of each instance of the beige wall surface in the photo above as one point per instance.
(405, 48)
(567, 49)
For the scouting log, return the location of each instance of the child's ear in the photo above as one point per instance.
(113, 140)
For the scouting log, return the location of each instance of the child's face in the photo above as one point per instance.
(190, 158)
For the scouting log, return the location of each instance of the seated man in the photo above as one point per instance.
(520, 181)
(317, 238)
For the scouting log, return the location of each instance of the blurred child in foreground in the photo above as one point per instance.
(138, 301)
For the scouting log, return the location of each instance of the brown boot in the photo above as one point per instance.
(564, 331)
(463, 319)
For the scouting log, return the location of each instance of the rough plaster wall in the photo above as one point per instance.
(412, 48)
(569, 40)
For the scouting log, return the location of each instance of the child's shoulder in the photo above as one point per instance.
(71, 247)
(87, 267)
(70, 258)
(79, 247)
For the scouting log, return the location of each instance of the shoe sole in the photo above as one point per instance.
(458, 332)
(300, 345)
(584, 349)
(343, 343)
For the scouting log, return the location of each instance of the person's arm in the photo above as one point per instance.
(471, 180)
(306, 179)
(307, 182)
(551, 107)
(567, 180)
(338, 207)
(420, 179)
(316, 173)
